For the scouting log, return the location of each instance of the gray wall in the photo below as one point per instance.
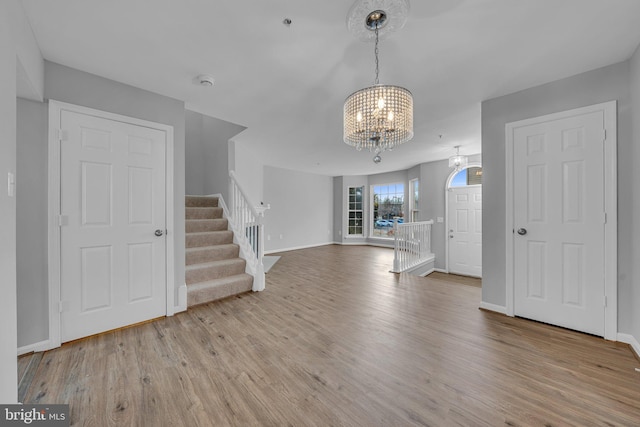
(634, 177)
(249, 170)
(601, 85)
(301, 209)
(76, 87)
(8, 365)
(338, 208)
(31, 227)
(207, 153)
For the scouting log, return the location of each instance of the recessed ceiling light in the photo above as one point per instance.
(287, 21)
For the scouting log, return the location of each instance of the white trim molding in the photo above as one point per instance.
(275, 251)
(632, 341)
(182, 300)
(493, 307)
(54, 257)
(609, 110)
(35, 347)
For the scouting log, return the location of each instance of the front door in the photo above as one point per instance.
(559, 217)
(113, 270)
(465, 230)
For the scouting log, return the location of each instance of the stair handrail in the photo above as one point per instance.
(412, 245)
(246, 220)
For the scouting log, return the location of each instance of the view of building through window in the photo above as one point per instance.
(468, 176)
(388, 206)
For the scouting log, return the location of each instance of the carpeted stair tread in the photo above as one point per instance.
(214, 270)
(200, 201)
(203, 292)
(203, 254)
(203, 213)
(200, 225)
(209, 238)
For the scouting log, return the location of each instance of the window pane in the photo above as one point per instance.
(355, 213)
(388, 204)
(474, 176)
(460, 179)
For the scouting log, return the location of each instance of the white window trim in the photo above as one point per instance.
(412, 202)
(372, 218)
(348, 210)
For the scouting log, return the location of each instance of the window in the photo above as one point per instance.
(388, 206)
(414, 186)
(356, 223)
(469, 176)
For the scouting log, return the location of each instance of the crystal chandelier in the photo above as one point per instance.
(458, 161)
(379, 117)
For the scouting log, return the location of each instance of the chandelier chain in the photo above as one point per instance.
(377, 81)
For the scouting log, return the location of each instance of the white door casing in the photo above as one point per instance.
(561, 219)
(464, 233)
(112, 193)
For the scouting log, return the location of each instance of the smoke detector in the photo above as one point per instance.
(205, 80)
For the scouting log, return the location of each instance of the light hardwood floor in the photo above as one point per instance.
(337, 340)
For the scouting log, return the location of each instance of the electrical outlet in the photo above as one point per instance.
(268, 236)
(281, 236)
(440, 219)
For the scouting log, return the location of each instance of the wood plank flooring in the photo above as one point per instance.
(337, 340)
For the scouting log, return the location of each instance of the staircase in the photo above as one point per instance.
(214, 269)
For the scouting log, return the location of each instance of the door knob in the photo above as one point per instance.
(159, 233)
(522, 231)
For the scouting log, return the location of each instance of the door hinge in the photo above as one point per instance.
(605, 300)
(604, 217)
(63, 306)
(63, 220)
(604, 135)
(62, 135)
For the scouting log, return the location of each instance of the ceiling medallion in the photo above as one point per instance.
(396, 12)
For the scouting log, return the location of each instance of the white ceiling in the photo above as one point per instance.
(288, 84)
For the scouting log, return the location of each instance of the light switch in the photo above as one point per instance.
(440, 219)
(11, 185)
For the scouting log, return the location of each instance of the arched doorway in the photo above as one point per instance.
(464, 221)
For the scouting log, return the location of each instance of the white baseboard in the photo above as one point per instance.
(182, 299)
(275, 251)
(631, 340)
(440, 270)
(493, 307)
(38, 346)
(428, 272)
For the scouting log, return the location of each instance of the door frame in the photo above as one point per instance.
(446, 209)
(610, 298)
(54, 254)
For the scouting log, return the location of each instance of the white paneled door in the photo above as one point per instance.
(112, 233)
(465, 230)
(559, 217)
